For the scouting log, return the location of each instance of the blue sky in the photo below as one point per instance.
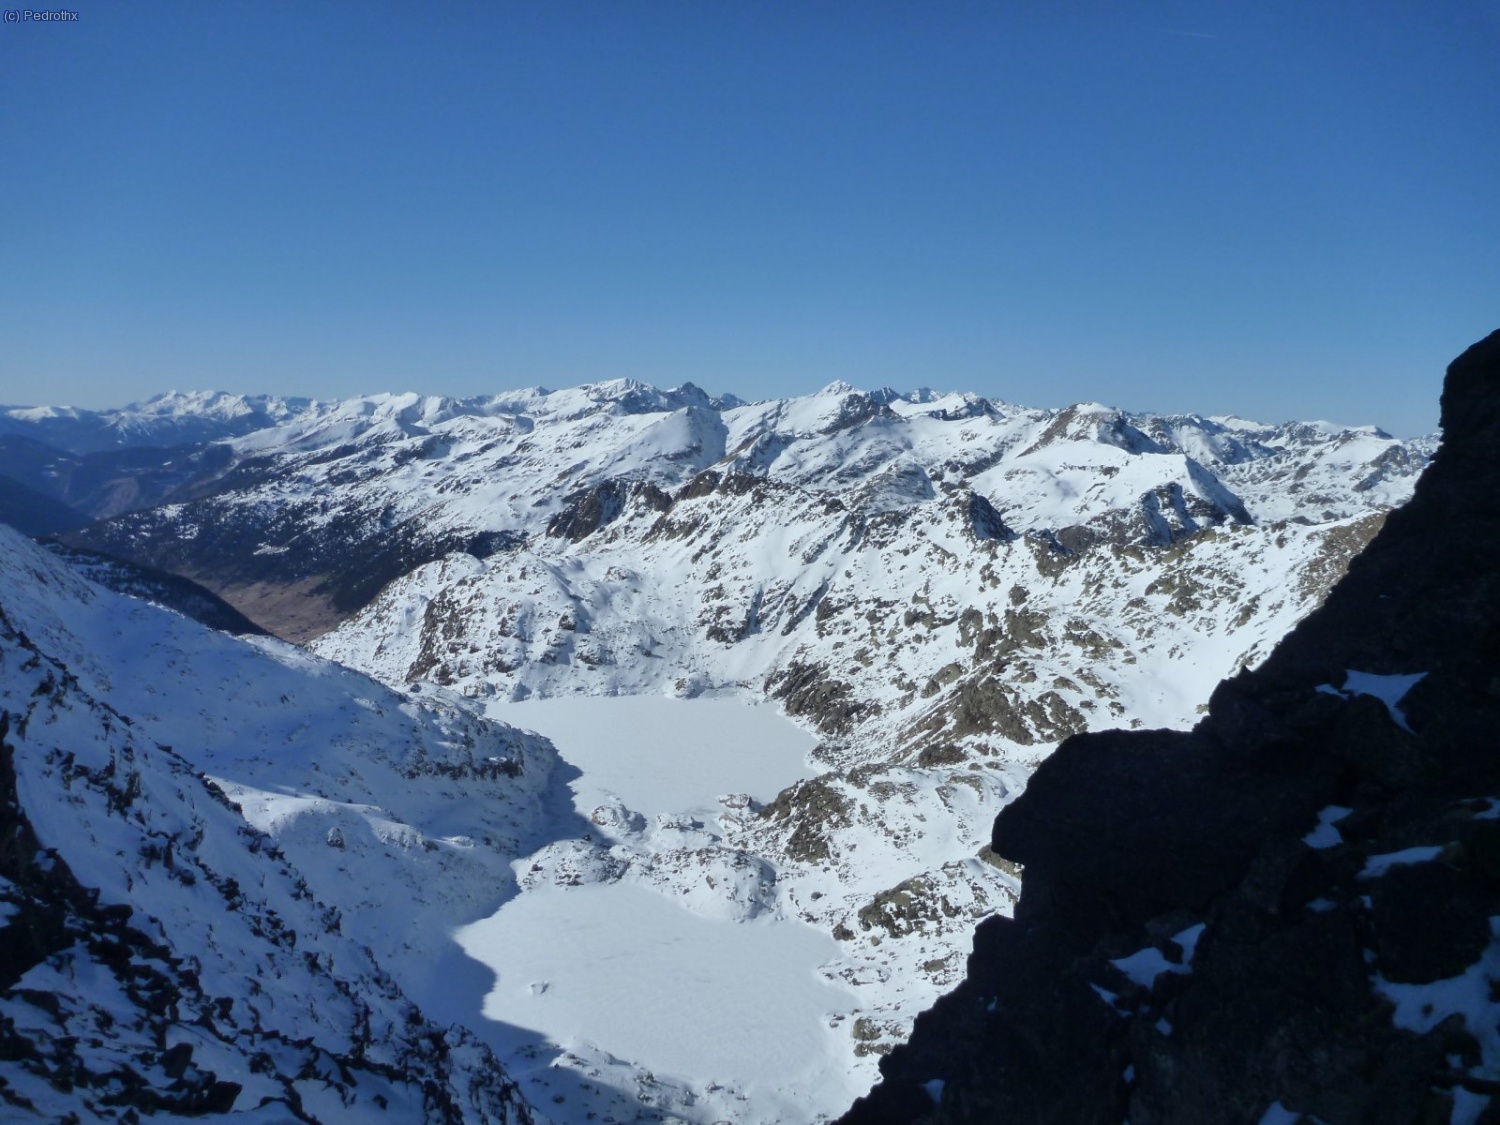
(1280, 209)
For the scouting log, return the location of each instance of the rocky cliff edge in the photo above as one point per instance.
(1289, 913)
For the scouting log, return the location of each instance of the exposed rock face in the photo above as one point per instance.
(589, 509)
(1252, 916)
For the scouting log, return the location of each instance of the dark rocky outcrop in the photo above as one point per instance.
(587, 510)
(810, 809)
(1290, 866)
(809, 691)
(985, 522)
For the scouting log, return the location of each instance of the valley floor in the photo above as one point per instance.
(652, 969)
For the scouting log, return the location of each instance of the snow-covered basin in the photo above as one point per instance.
(624, 968)
(692, 999)
(664, 755)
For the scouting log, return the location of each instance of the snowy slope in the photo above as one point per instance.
(226, 842)
(842, 550)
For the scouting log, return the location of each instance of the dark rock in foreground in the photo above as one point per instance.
(1242, 923)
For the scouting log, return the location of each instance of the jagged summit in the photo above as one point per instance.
(1286, 913)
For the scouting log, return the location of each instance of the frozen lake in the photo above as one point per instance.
(692, 999)
(662, 755)
(623, 969)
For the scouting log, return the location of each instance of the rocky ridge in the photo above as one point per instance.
(1288, 913)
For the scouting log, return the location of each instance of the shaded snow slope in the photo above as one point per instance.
(214, 840)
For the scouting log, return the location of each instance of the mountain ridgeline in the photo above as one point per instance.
(942, 570)
(1286, 913)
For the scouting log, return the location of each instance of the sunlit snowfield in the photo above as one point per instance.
(633, 970)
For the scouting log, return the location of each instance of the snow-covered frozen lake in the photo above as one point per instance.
(692, 999)
(735, 1011)
(662, 755)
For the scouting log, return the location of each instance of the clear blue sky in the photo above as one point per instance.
(1276, 209)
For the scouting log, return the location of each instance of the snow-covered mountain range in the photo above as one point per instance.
(939, 586)
(167, 420)
(741, 540)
